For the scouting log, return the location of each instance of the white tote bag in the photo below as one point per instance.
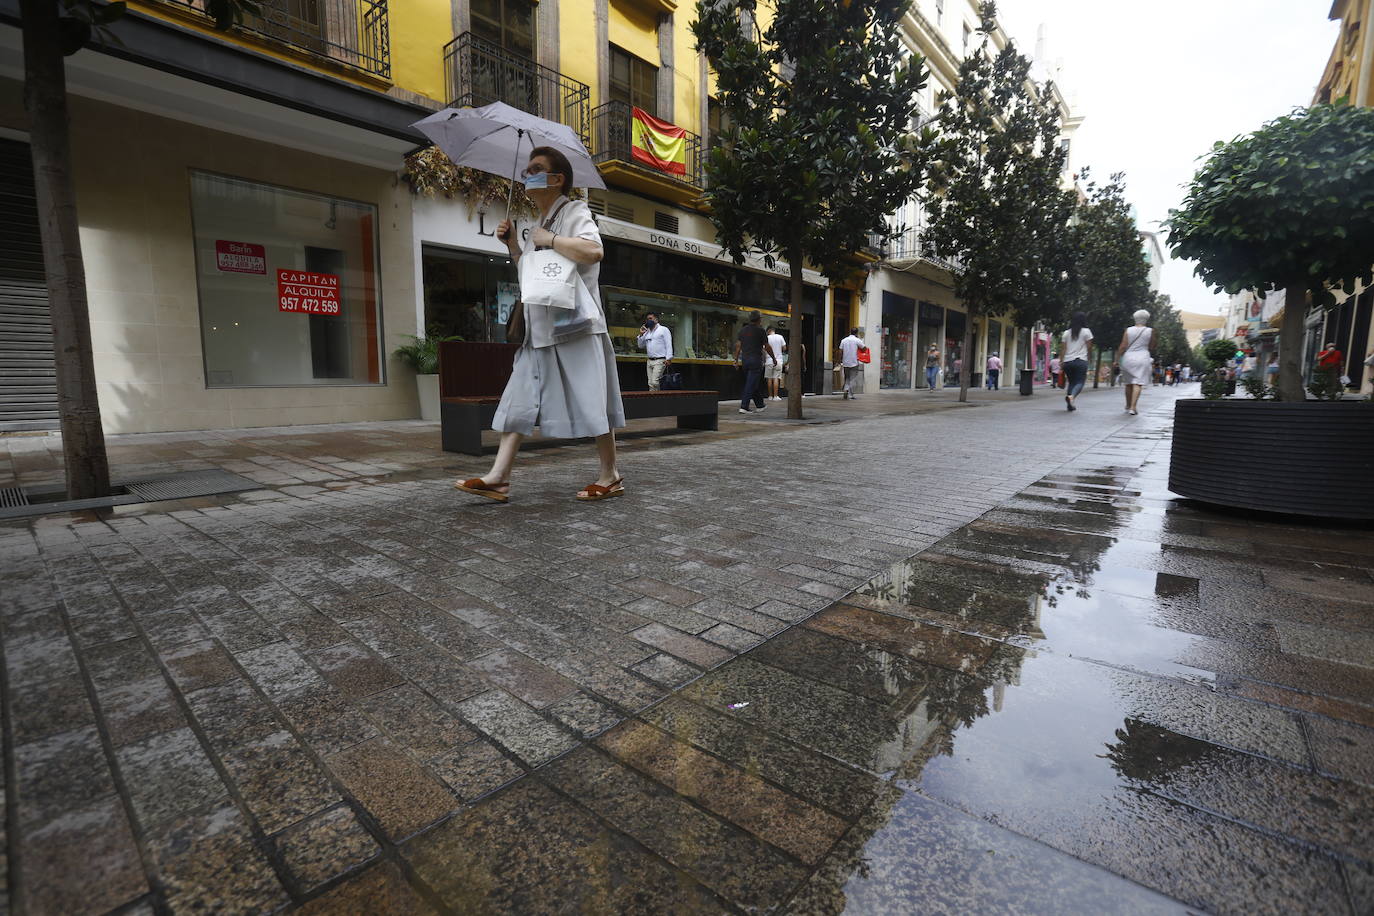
(549, 279)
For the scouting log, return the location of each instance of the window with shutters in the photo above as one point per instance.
(507, 23)
(634, 81)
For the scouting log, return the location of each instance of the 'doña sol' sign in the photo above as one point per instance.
(307, 292)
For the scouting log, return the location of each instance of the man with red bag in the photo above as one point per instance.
(853, 354)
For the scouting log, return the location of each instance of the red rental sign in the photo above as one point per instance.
(310, 293)
(240, 257)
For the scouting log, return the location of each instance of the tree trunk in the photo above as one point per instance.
(965, 362)
(45, 98)
(1097, 368)
(1290, 344)
(795, 345)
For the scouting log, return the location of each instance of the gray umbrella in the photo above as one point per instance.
(497, 138)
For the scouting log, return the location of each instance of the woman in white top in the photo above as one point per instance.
(564, 379)
(1137, 356)
(1077, 349)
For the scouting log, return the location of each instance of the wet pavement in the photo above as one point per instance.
(973, 660)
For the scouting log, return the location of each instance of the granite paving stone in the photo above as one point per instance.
(400, 793)
(95, 842)
(516, 727)
(168, 775)
(325, 845)
(474, 769)
(209, 862)
(414, 720)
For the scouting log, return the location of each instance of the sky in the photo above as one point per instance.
(1158, 83)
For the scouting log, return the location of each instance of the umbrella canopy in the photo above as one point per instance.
(497, 138)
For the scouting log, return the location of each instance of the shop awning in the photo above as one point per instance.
(694, 248)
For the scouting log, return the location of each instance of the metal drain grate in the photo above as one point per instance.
(189, 484)
(14, 502)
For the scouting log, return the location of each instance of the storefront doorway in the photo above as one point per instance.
(899, 328)
(930, 319)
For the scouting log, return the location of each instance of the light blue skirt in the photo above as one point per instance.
(569, 390)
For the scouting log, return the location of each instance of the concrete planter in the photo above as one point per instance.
(1312, 458)
(428, 387)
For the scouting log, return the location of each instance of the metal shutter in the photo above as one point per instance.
(28, 380)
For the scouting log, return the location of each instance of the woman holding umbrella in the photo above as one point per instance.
(565, 385)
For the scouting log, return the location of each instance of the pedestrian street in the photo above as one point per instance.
(916, 658)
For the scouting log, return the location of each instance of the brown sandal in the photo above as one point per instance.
(479, 487)
(596, 491)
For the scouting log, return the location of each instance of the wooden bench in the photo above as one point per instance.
(462, 419)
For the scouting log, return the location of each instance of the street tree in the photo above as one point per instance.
(1290, 206)
(1170, 337)
(818, 145)
(998, 210)
(53, 30)
(1109, 278)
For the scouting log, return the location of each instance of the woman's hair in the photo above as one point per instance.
(558, 165)
(1076, 323)
(1141, 316)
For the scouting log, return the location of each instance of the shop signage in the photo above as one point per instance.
(308, 293)
(930, 313)
(240, 257)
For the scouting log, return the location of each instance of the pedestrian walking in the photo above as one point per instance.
(994, 371)
(657, 342)
(564, 378)
(932, 366)
(849, 361)
(1137, 355)
(751, 352)
(1077, 350)
(1329, 362)
(1056, 380)
(773, 372)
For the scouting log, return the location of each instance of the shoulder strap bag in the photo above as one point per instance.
(547, 278)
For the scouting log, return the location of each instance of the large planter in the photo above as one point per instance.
(428, 388)
(1313, 458)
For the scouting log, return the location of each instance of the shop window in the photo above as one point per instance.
(288, 285)
(634, 81)
(468, 295)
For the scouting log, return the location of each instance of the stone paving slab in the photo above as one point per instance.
(383, 694)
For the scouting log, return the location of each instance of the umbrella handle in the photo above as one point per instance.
(510, 192)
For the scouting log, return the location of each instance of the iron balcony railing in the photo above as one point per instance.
(907, 244)
(479, 72)
(355, 33)
(613, 139)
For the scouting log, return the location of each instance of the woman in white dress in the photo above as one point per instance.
(1137, 358)
(564, 379)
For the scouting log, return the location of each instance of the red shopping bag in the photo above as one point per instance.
(864, 355)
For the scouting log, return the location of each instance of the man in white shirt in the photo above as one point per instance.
(772, 373)
(994, 371)
(658, 342)
(849, 361)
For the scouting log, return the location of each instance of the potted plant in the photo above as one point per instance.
(423, 356)
(1291, 207)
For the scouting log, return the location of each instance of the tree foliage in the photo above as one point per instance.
(1290, 206)
(998, 210)
(818, 144)
(1171, 340)
(1109, 278)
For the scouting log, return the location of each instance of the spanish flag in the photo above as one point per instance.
(658, 144)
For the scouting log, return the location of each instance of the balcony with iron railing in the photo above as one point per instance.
(478, 72)
(613, 151)
(906, 245)
(354, 34)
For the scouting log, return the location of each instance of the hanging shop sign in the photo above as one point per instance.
(240, 257)
(308, 293)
